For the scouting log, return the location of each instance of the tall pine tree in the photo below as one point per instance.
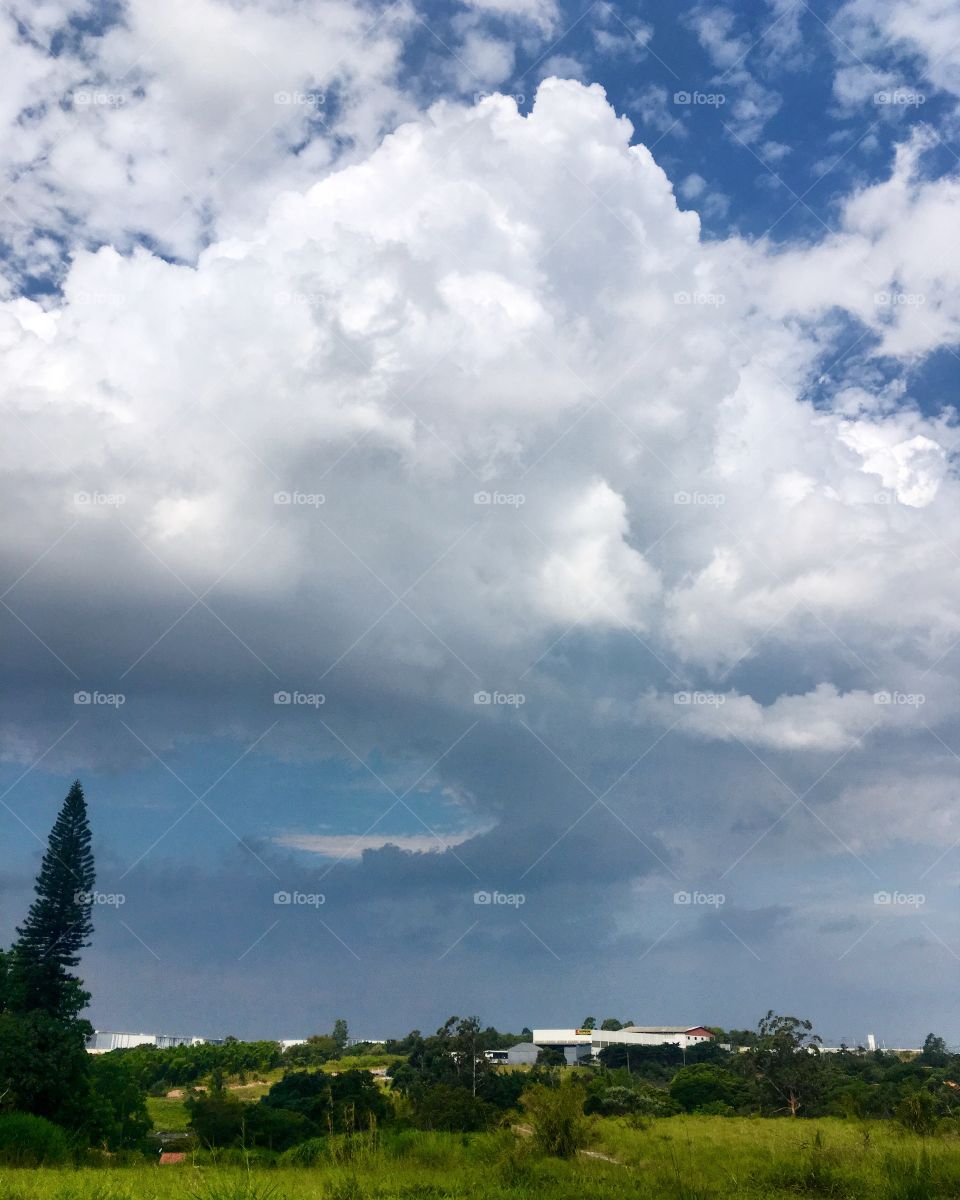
(59, 924)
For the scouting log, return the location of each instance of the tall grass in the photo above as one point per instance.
(677, 1158)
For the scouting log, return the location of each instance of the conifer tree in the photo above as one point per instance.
(59, 924)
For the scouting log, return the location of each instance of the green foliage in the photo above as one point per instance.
(117, 1112)
(683, 1158)
(275, 1128)
(332, 1103)
(309, 1153)
(59, 924)
(705, 1084)
(453, 1109)
(556, 1117)
(29, 1141)
(934, 1053)
(551, 1056)
(633, 1099)
(179, 1066)
(340, 1035)
(217, 1119)
(917, 1111)
(44, 1067)
(786, 1066)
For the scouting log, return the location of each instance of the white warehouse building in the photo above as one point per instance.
(584, 1043)
(104, 1040)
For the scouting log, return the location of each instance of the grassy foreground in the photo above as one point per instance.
(679, 1158)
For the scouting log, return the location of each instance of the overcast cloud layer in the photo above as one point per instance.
(438, 486)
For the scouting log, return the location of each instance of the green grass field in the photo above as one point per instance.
(680, 1158)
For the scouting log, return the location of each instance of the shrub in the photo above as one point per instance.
(556, 1115)
(452, 1109)
(704, 1084)
(310, 1153)
(918, 1113)
(275, 1128)
(28, 1141)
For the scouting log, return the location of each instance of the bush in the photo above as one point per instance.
(310, 1153)
(695, 1088)
(918, 1113)
(452, 1110)
(28, 1141)
(556, 1115)
(275, 1128)
(337, 1103)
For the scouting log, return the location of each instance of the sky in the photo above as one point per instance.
(480, 508)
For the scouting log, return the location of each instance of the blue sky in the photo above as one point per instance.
(469, 448)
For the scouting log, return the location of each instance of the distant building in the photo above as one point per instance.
(522, 1054)
(584, 1043)
(102, 1041)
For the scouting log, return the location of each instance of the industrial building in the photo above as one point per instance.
(587, 1043)
(522, 1054)
(102, 1041)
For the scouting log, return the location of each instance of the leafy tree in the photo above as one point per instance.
(274, 1128)
(611, 1023)
(337, 1103)
(551, 1056)
(44, 1067)
(340, 1034)
(216, 1119)
(786, 1064)
(703, 1083)
(588, 1023)
(58, 925)
(455, 1054)
(117, 1112)
(313, 1052)
(934, 1053)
